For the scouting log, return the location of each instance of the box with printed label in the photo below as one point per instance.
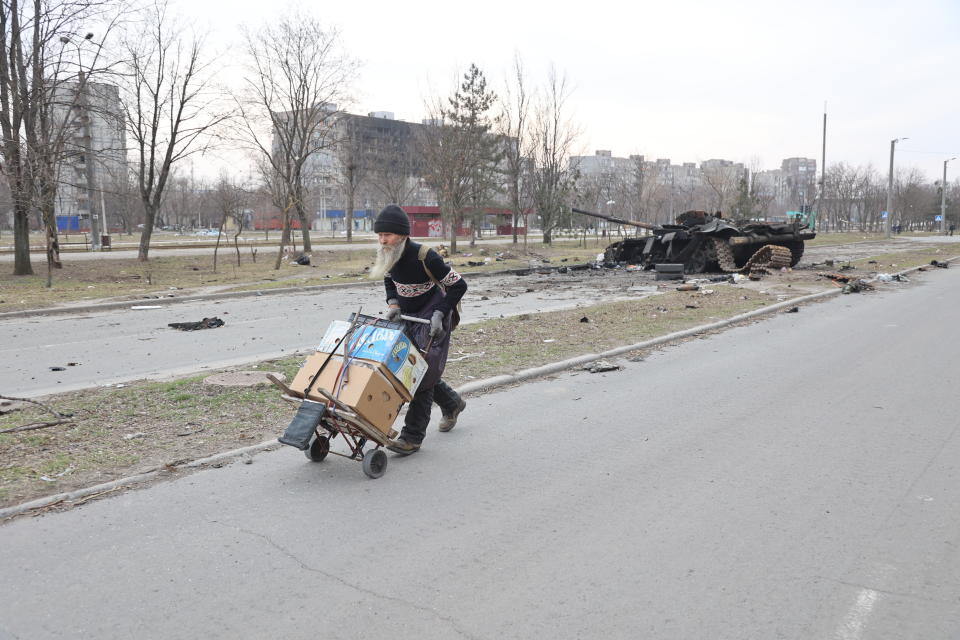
(388, 347)
(361, 385)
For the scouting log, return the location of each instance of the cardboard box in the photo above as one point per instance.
(364, 388)
(388, 347)
(410, 372)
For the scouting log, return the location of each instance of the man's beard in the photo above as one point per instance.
(387, 256)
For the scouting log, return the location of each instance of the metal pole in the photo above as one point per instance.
(823, 162)
(893, 144)
(943, 198)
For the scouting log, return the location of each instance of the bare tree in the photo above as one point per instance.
(170, 103)
(296, 77)
(515, 130)
(230, 199)
(458, 148)
(36, 111)
(353, 157)
(723, 178)
(552, 140)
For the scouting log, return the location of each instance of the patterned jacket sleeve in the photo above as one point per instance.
(452, 281)
(391, 288)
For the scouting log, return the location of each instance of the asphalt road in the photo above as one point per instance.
(795, 478)
(117, 346)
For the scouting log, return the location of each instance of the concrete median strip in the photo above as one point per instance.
(472, 387)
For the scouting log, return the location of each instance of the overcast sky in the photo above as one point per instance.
(744, 80)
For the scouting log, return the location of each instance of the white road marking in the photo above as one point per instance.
(854, 623)
(857, 616)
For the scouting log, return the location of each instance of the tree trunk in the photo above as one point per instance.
(216, 247)
(304, 226)
(284, 238)
(21, 240)
(150, 211)
(453, 234)
(348, 216)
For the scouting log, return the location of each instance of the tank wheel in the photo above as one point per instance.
(375, 463)
(318, 450)
(697, 263)
(796, 251)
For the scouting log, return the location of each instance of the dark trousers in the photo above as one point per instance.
(418, 413)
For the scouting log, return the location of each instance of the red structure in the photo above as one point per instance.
(425, 222)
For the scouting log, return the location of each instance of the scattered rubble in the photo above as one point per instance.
(206, 323)
(856, 286)
(601, 366)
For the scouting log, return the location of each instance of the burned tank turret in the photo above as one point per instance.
(705, 242)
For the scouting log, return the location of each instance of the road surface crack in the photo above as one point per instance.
(413, 605)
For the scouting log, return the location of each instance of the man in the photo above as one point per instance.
(419, 284)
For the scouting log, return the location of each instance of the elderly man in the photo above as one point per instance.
(419, 283)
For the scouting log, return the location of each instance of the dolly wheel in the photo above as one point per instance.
(375, 463)
(319, 448)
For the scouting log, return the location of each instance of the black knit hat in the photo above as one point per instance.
(392, 219)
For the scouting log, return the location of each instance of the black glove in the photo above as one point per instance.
(436, 325)
(393, 313)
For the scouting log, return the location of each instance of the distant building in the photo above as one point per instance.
(602, 163)
(799, 181)
(392, 167)
(94, 161)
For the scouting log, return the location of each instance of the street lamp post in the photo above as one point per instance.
(893, 144)
(943, 197)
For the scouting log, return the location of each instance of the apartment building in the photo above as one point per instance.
(94, 162)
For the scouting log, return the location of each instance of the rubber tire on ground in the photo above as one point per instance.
(318, 449)
(375, 463)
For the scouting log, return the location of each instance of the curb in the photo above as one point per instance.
(471, 387)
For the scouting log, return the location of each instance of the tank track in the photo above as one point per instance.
(725, 257)
(768, 257)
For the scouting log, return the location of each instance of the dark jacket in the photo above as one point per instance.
(409, 284)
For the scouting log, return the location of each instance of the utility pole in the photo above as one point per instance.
(823, 161)
(943, 198)
(893, 144)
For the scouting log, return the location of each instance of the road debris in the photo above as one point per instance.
(206, 323)
(892, 277)
(856, 286)
(836, 277)
(601, 366)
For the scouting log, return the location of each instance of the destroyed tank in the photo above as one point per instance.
(704, 242)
